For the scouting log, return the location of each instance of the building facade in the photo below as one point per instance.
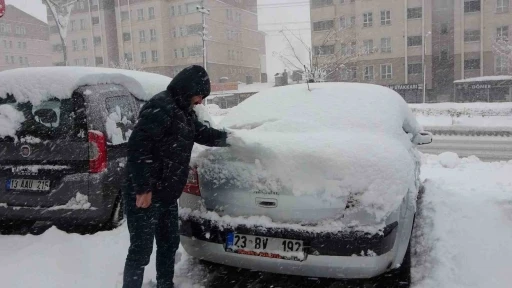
(165, 36)
(23, 40)
(394, 42)
(91, 38)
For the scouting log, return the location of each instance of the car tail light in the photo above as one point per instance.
(97, 152)
(192, 186)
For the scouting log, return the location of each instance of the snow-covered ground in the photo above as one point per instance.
(462, 239)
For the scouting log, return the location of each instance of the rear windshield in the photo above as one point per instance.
(50, 120)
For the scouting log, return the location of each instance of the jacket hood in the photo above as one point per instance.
(191, 81)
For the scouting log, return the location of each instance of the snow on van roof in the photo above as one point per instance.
(37, 84)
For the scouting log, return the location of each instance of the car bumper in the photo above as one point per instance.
(331, 255)
(76, 216)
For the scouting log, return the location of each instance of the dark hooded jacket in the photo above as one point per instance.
(160, 146)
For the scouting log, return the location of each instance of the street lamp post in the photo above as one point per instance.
(425, 66)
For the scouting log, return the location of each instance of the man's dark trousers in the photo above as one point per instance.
(159, 221)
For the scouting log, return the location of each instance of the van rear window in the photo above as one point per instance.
(50, 120)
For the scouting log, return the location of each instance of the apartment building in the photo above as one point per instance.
(394, 42)
(91, 35)
(164, 36)
(23, 40)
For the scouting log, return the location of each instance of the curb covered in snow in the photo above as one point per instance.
(470, 131)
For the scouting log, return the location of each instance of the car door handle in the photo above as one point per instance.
(266, 202)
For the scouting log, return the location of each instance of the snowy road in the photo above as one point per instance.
(484, 147)
(462, 240)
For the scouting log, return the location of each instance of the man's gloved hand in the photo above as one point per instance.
(234, 139)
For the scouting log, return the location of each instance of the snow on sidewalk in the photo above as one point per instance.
(465, 233)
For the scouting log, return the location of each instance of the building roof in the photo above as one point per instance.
(486, 78)
(12, 13)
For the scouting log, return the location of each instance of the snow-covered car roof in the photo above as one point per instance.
(328, 106)
(38, 84)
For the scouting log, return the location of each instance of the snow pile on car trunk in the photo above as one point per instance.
(10, 120)
(336, 141)
(38, 84)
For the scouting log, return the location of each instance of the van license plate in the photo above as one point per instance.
(28, 184)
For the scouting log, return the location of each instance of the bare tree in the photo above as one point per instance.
(125, 64)
(61, 12)
(503, 48)
(338, 48)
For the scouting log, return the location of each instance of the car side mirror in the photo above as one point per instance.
(207, 123)
(422, 138)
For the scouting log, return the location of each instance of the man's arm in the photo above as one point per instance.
(209, 136)
(141, 145)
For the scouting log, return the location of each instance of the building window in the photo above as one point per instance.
(19, 44)
(195, 51)
(72, 25)
(368, 73)
(154, 55)
(10, 44)
(386, 71)
(7, 59)
(175, 53)
(385, 45)
(140, 14)
(143, 57)
(77, 62)
(238, 17)
(95, 20)
(17, 30)
(75, 45)
(502, 6)
(128, 57)
(57, 47)
(183, 31)
(127, 36)
(151, 13)
(471, 64)
(323, 50)
(368, 47)
(471, 35)
(2, 28)
(5, 44)
(174, 34)
(24, 45)
(347, 22)
(84, 43)
(20, 60)
(26, 61)
(86, 62)
(414, 13)
(502, 33)
(194, 29)
(179, 9)
(413, 41)
(82, 24)
(99, 60)
(12, 60)
(125, 15)
(142, 36)
(320, 3)
(501, 64)
(183, 52)
(323, 25)
(23, 31)
(192, 7)
(415, 68)
(172, 11)
(97, 40)
(385, 17)
(444, 28)
(471, 6)
(368, 19)
(152, 33)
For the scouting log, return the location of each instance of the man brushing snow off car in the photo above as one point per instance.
(159, 151)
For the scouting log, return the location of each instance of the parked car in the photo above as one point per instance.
(64, 162)
(324, 186)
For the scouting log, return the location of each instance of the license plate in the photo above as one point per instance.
(269, 247)
(28, 184)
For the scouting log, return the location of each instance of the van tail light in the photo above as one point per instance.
(192, 186)
(97, 152)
